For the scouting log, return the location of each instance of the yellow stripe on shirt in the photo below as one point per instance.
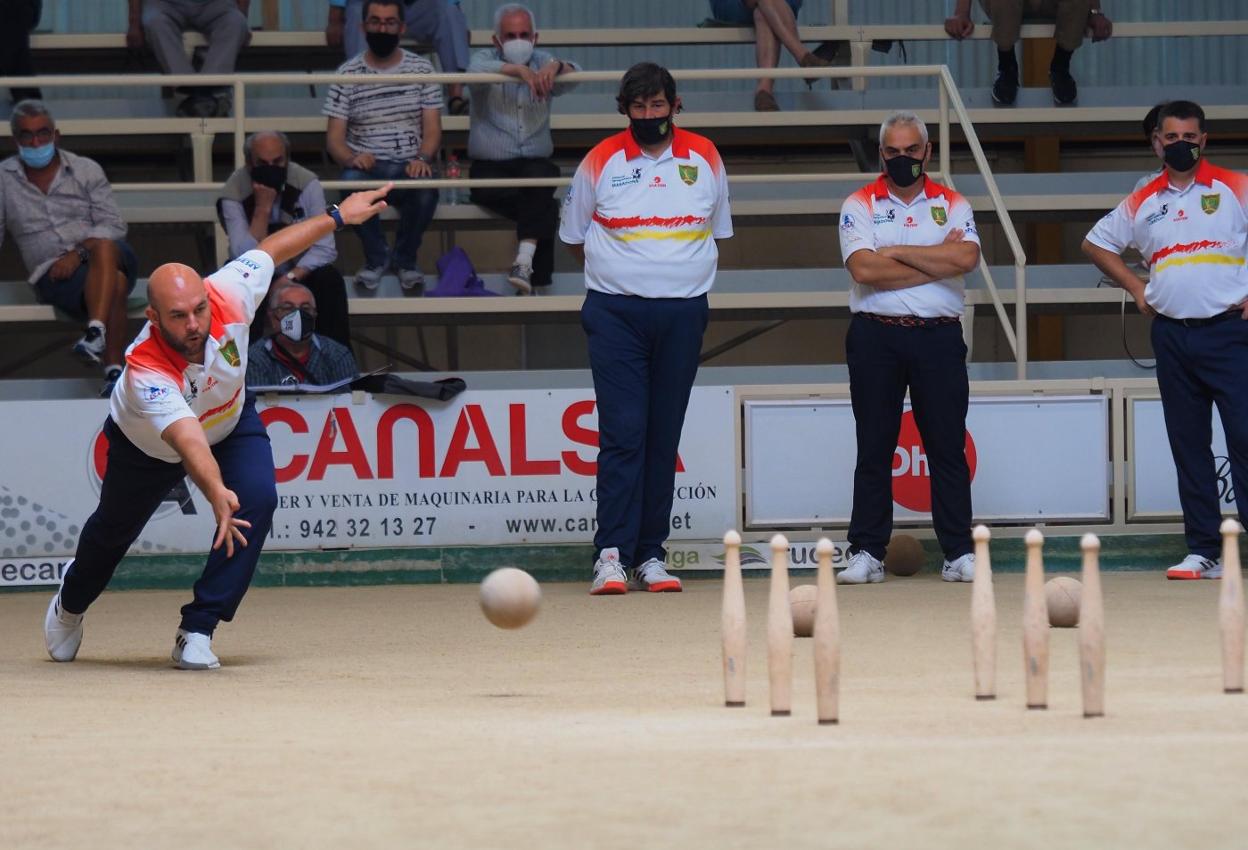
(1200, 259)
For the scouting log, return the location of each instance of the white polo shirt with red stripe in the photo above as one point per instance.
(1194, 239)
(649, 225)
(873, 218)
(159, 386)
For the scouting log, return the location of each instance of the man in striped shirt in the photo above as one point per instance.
(388, 131)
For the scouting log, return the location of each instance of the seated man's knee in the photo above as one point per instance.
(103, 251)
(157, 20)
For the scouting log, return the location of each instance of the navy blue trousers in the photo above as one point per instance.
(134, 486)
(883, 361)
(1198, 368)
(644, 356)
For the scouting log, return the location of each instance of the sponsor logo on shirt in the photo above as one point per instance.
(620, 180)
(688, 174)
(251, 264)
(880, 218)
(1209, 203)
(210, 383)
(1153, 218)
(847, 222)
(657, 183)
(1182, 216)
(154, 393)
(230, 352)
(910, 222)
(939, 215)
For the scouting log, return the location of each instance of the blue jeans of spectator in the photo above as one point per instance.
(416, 208)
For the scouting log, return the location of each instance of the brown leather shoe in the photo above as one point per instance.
(813, 60)
(765, 101)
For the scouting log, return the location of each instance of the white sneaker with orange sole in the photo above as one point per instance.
(1195, 567)
(653, 577)
(609, 577)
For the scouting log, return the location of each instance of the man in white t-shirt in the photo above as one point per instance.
(1191, 226)
(907, 241)
(643, 213)
(180, 408)
(388, 131)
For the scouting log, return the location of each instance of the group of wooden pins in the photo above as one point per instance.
(827, 643)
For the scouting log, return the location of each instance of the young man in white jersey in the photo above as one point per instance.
(907, 241)
(1191, 225)
(179, 409)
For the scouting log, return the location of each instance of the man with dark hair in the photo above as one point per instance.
(271, 192)
(510, 137)
(1072, 19)
(59, 208)
(1191, 225)
(388, 131)
(643, 213)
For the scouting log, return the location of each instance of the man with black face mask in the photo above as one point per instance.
(1191, 225)
(643, 213)
(907, 241)
(294, 353)
(271, 193)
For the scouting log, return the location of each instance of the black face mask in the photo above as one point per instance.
(273, 176)
(650, 131)
(382, 44)
(1181, 155)
(904, 170)
(297, 325)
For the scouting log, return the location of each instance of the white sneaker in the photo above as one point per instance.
(862, 569)
(62, 631)
(959, 569)
(521, 278)
(90, 347)
(653, 576)
(410, 279)
(369, 277)
(193, 651)
(1195, 567)
(609, 578)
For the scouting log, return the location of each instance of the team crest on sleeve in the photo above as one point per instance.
(230, 352)
(939, 215)
(688, 174)
(847, 222)
(1209, 203)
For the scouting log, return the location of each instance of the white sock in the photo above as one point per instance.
(524, 254)
(95, 323)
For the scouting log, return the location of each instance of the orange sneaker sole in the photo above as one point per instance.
(1183, 575)
(611, 588)
(664, 587)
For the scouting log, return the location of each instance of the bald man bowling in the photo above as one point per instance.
(180, 408)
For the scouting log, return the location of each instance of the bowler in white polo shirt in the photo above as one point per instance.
(643, 213)
(907, 241)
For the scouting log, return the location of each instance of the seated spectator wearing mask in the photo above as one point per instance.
(294, 353)
(269, 193)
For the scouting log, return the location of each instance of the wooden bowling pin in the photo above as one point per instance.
(1092, 630)
(1035, 624)
(780, 630)
(732, 623)
(983, 619)
(1231, 610)
(827, 637)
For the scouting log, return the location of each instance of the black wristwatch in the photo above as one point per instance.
(333, 212)
(83, 255)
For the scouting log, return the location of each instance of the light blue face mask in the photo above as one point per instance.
(37, 157)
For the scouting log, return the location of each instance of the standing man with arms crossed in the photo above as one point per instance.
(179, 409)
(907, 241)
(1191, 225)
(643, 213)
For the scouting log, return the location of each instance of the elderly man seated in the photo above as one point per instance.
(294, 353)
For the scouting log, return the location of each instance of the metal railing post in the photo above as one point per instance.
(240, 117)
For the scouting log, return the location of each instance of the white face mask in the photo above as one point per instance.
(518, 51)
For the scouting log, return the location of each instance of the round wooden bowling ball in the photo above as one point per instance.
(1062, 595)
(904, 555)
(509, 598)
(802, 604)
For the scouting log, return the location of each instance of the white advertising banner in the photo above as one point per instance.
(489, 467)
(1031, 458)
(1154, 492)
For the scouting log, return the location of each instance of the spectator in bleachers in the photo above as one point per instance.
(20, 17)
(60, 209)
(270, 193)
(293, 352)
(775, 24)
(1150, 136)
(223, 23)
(1072, 18)
(907, 241)
(509, 136)
(388, 132)
(437, 22)
(1192, 228)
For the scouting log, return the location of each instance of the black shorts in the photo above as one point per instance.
(67, 295)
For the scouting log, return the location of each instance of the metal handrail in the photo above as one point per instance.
(949, 97)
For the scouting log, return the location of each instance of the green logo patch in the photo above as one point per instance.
(688, 174)
(939, 215)
(1209, 203)
(230, 352)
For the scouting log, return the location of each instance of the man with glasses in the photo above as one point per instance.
(294, 353)
(389, 131)
(60, 209)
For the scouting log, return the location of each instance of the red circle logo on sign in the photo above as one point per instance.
(912, 476)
